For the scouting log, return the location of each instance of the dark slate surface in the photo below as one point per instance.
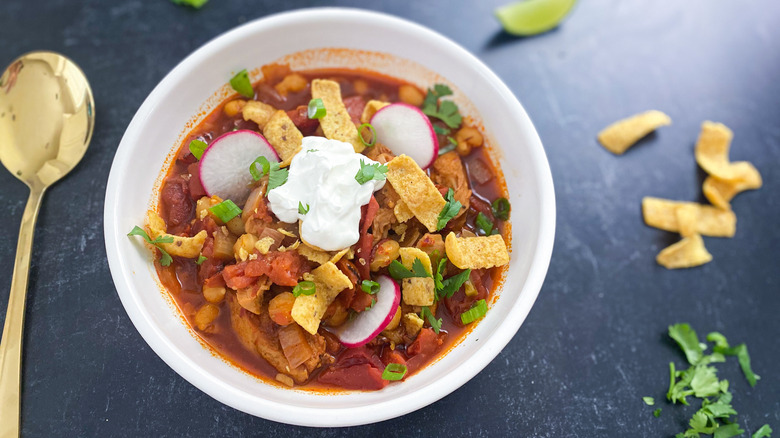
(595, 341)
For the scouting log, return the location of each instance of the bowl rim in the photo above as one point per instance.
(312, 416)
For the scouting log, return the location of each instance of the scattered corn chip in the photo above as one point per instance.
(720, 192)
(308, 310)
(710, 221)
(410, 254)
(623, 134)
(336, 124)
(336, 257)
(476, 252)
(264, 245)
(188, 247)
(687, 216)
(284, 136)
(712, 150)
(416, 190)
(418, 291)
(402, 212)
(412, 323)
(258, 112)
(370, 109)
(315, 255)
(687, 253)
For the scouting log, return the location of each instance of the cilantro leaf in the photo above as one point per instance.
(450, 285)
(484, 225)
(303, 209)
(705, 381)
(649, 401)
(686, 338)
(435, 323)
(399, 271)
(446, 110)
(440, 130)
(763, 432)
(197, 4)
(450, 210)
(277, 177)
(657, 412)
(741, 351)
(165, 258)
(368, 172)
(728, 431)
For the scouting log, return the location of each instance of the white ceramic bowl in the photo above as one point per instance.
(409, 51)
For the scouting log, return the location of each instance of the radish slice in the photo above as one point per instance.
(224, 167)
(406, 130)
(371, 322)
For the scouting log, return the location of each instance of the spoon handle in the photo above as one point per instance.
(11, 345)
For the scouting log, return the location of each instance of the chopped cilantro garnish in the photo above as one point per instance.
(444, 110)
(657, 412)
(686, 338)
(485, 225)
(649, 401)
(198, 147)
(201, 259)
(440, 130)
(369, 287)
(304, 288)
(276, 176)
(501, 208)
(446, 287)
(165, 258)
(225, 210)
(763, 432)
(240, 82)
(450, 210)
(741, 351)
(435, 323)
(303, 209)
(370, 172)
(197, 4)
(399, 271)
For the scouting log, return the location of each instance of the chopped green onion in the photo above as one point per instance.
(373, 302)
(303, 209)
(265, 167)
(225, 210)
(198, 147)
(484, 225)
(370, 287)
(373, 135)
(304, 288)
(201, 259)
(477, 311)
(445, 149)
(435, 323)
(501, 208)
(165, 258)
(394, 371)
(240, 82)
(316, 109)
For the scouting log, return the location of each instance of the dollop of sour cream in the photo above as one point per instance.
(322, 177)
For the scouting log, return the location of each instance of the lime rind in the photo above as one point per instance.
(532, 17)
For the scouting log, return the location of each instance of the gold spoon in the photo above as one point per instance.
(47, 116)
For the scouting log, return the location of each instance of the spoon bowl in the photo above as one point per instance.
(46, 122)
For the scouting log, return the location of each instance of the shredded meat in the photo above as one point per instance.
(385, 216)
(258, 333)
(448, 171)
(379, 152)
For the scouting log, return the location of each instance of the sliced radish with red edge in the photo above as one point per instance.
(224, 167)
(371, 322)
(406, 130)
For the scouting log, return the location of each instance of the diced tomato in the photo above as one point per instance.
(360, 301)
(423, 348)
(216, 280)
(235, 277)
(392, 356)
(282, 268)
(481, 206)
(366, 242)
(361, 377)
(369, 213)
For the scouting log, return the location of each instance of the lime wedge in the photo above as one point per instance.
(532, 17)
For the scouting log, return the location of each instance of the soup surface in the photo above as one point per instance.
(253, 284)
